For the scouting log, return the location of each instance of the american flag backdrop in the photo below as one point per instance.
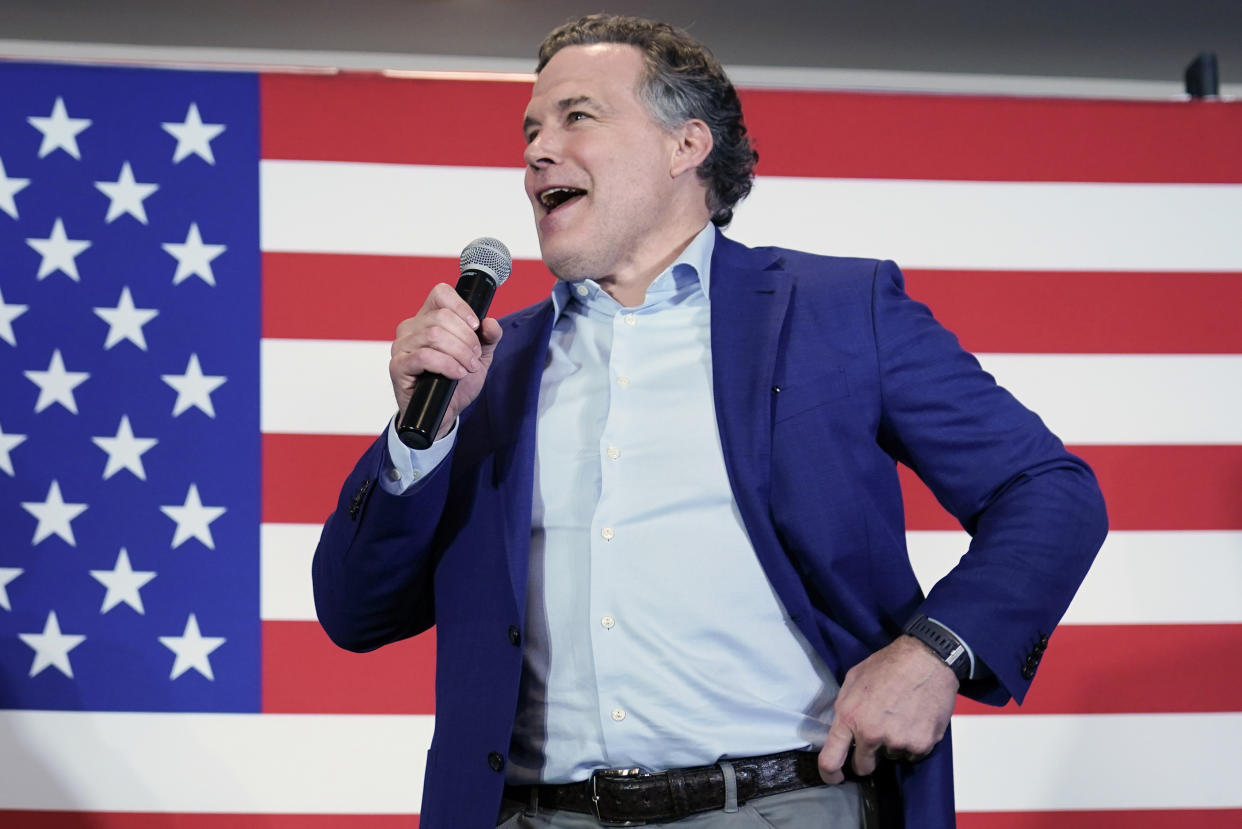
(199, 274)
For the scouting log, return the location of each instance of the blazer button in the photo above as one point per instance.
(515, 635)
(495, 761)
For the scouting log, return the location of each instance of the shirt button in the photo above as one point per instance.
(623, 382)
(583, 290)
(415, 475)
(607, 533)
(630, 319)
(613, 453)
(608, 622)
(394, 474)
(618, 714)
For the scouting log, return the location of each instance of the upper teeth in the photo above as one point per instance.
(557, 195)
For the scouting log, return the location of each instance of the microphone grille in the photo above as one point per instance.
(488, 255)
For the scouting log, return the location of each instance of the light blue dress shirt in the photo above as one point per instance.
(653, 638)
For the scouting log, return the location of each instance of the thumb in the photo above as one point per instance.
(490, 333)
(836, 749)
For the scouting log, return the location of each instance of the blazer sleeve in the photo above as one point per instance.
(1034, 511)
(373, 569)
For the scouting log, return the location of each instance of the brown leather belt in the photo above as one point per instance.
(630, 797)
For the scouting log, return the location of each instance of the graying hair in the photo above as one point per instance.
(681, 80)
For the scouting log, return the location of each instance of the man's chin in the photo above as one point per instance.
(566, 266)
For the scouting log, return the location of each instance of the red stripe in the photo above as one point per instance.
(1114, 819)
(1133, 669)
(1088, 669)
(337, 296)
(367, 117)
(176, 820)
(348, 297)
(304, 673)
(1145, 487)
(363, 116)
(986, 138)
(1100, 313)
(303, 474)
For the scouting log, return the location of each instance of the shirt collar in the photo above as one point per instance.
(694, 264)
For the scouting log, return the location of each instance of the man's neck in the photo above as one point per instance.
(629, 289)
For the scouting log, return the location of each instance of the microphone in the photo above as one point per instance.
(485, 264)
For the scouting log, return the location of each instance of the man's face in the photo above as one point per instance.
(598, 166)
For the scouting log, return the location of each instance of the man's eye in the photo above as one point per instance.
(530, 136)
(577, 116)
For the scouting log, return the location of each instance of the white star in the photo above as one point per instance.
(124, 451)
(60, 132)
(193, 136)
(52, 647)
(7, 574)
(126, 195)
(8, 313)
(123, 583)
(193, 519)
(125, 321)
(56, 385)
(192, 649)
(193, 257)
(54, 516)
(58, 252)
(10, 187)
(7, 444)
(194, 388)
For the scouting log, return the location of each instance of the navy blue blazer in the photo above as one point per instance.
(825, 375)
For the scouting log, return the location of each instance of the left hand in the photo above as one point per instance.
(897, 701)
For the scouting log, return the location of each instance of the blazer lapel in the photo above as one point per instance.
(749, 300)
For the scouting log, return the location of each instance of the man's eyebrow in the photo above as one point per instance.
(562, 105)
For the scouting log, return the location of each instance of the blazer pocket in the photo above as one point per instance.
(802, 395)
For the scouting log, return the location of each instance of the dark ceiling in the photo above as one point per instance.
(1122, 39)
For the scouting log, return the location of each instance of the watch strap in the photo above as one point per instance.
(951, 650)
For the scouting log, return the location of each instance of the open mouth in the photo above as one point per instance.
(555, 197)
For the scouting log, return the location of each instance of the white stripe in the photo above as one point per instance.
(325, 387)
(285, 553)
(428, 210)
(1115, 761)
(342, 387)
(1129, 584)
(269, 763)
(292, 764)
(338, 207)
(1032, 225)
(1128, 398)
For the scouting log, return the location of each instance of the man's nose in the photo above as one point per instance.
(541, 151)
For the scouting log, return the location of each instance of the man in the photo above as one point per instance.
(660, 533)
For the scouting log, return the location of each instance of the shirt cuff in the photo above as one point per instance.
(405, 467)
(969, 653)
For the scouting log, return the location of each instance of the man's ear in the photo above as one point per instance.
(694, 145)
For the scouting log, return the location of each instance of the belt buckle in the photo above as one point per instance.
(609, 774)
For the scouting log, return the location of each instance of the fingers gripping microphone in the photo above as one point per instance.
(485, 263)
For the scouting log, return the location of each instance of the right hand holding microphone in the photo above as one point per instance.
(441, 355)
(441, 338)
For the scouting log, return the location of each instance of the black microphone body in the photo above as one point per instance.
(432, 392)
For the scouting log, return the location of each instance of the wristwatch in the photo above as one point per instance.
(943, 643)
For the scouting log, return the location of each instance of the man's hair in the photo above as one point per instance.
(681, 80)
